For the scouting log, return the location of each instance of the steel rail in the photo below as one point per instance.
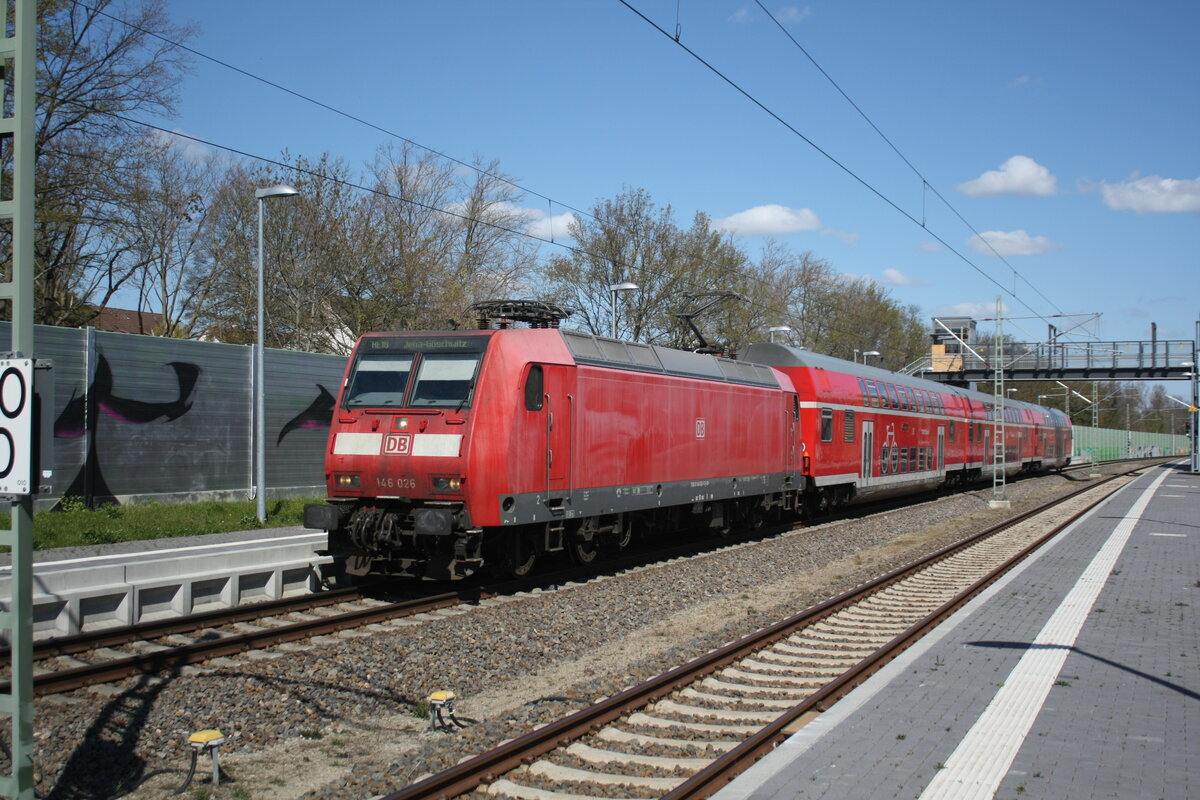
(142, 631)
(178, 657)
(486, 767)
(730, 764)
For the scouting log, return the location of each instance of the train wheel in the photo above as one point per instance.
(582, 546)
(522, 556)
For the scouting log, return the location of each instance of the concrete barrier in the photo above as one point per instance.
(91, 593)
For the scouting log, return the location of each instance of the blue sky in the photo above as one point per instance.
(1065, 132)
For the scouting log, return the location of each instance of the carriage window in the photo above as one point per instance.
(862, 387)
(903, 392)
(952, 427)
(871, 390)
(891, 393)
(534, 388)
(826, 424)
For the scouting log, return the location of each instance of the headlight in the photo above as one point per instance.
(447, 483)
(345, 481)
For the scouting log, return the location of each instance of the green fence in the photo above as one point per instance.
(1109, 444)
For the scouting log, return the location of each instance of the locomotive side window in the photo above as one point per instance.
(379, 379)
(534, 388)
(826, 424)
(444, 379)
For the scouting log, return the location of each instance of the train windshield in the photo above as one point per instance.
(414, 373)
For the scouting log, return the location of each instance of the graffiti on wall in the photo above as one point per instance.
(319, 414)
(101, 398)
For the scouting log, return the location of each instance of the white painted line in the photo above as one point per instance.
(1174, 495)
(1173, 535)
(194, 548)
(982, 759)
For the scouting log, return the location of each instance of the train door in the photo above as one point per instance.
(940, 464)
(559, 413)
(792, 417)
(868, 447)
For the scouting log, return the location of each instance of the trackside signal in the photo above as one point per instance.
(16, 425)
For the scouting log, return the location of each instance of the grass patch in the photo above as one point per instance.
(73, 525)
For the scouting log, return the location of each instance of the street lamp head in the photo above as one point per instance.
(779, 328)
(624, 286)
(282, 190)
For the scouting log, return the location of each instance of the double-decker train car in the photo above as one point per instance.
(450, 451)
(869, 433)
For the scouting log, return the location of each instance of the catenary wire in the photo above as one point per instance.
(551, 201)
(901, 155)
(867, 185)
(788, 315)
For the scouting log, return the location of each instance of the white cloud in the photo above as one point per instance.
(1025, 81)
(1018, 175)
(741, 15)
(1011, 243)
(984, 310)
(930, 247)
(1153, 194)
(555, 227)
(848, 238)
(536, 222)
(793, 14)
(771, 220)
(894, 277)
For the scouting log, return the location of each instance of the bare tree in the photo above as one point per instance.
(91, 69)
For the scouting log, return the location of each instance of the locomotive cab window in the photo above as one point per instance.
(444, 379)
(534, 384)
(826, 424)
(379, 379)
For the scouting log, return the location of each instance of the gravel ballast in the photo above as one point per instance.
(336, 719)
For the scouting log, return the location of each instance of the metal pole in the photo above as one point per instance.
(612, 317)
(21, 49)
(1195, 400)
(260, 438)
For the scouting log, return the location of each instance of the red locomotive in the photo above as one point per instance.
(452, 450)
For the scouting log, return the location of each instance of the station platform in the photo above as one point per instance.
(1077, 675)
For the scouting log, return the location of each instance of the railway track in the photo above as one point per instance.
(687, 732)
(68, 663)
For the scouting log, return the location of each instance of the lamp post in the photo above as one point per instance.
(260, 414)
(774, 329)
(866, 353)
(624, 286)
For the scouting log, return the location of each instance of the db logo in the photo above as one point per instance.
(16, 424)
(397, 444)
(700, 428)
